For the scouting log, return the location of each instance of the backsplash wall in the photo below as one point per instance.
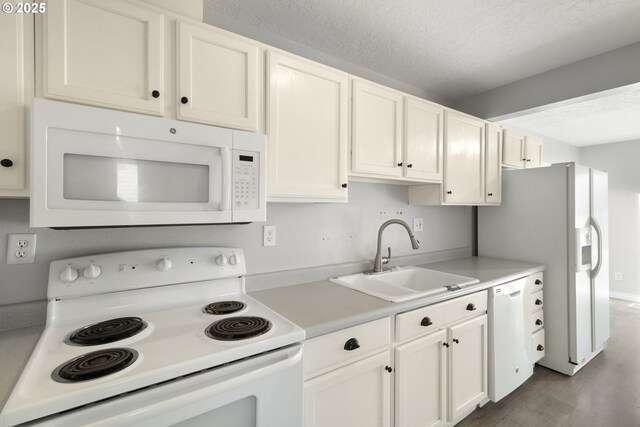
(308, 235)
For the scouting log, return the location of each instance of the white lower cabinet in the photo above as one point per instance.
(348, 377)
(421, 381)
(468, 366)
(355, 395)
(534, 301)
(441, 377)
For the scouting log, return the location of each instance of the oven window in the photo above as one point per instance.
(133, 180)
(241, 413)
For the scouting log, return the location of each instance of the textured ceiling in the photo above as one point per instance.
(601, 120)
(451, 48)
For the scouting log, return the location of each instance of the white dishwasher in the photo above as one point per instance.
(509, 340)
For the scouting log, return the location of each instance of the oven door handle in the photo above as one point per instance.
(227, 183)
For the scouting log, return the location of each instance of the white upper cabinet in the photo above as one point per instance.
(513, 149)
(532, 152)
(217, 77)
(307, 122)
(16, 86)
(493, 164)
(521, 151)
(106, 53)
(423, 140)
(118, 54)
(376, 140)
(463, 181)
(463, 159)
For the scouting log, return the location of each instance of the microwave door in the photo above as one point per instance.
(95, 179)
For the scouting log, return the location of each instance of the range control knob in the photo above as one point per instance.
(69, 274)
(164, 264)
(91, 272)
(221, 259)
(233, 259)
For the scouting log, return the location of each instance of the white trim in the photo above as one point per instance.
(624, 296)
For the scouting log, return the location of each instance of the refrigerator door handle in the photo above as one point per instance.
(596, 226)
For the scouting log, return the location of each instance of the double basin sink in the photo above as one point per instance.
(405, 283)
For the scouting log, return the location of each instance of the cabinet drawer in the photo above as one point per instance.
(535, 301)
(536, 321)
(338, 348)
(534, 282)
(538, 345)
(431, 318)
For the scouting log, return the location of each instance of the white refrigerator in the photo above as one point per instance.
(558, 216)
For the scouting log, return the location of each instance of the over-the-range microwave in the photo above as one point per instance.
(93, 167)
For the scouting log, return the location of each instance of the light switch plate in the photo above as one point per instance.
(21, 248)
(417, 224)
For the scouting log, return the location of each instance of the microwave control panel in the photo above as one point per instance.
(246, 177)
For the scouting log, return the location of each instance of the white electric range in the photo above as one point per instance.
(159, 337)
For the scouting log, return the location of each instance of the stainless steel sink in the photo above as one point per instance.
(404, 283)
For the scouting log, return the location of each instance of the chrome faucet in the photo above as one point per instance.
(379, 260)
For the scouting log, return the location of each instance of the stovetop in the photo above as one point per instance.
(173, 342)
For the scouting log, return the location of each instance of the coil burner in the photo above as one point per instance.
(107, 331)
(96, 364)
(238, 328)
(224, 307)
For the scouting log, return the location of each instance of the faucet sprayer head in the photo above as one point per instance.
(415, 244)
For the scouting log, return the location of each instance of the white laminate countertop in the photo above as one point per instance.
(16, 346)
(323, 307)
(318, 307)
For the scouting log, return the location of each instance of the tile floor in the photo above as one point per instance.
(604, 393)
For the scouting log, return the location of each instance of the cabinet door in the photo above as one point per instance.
(423, 140)
(532, 152)
(421, 381)
(463, 159)
(307, 130)
(16, 86)
(376, 143)
(355, 395)
(493, 164)
(467, 365)
(217, 78)
(513, 149)
(104, 53)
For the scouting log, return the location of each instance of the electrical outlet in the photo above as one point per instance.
(417, 224)
(269, 237)
(618, 276)
(21, 249)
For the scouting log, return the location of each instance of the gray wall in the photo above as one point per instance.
(620, 160)
(558, 152)
(308, 235)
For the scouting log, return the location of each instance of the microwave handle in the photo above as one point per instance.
(225, 202)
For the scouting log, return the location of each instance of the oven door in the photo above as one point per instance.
(264, 391)
(94, 167)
